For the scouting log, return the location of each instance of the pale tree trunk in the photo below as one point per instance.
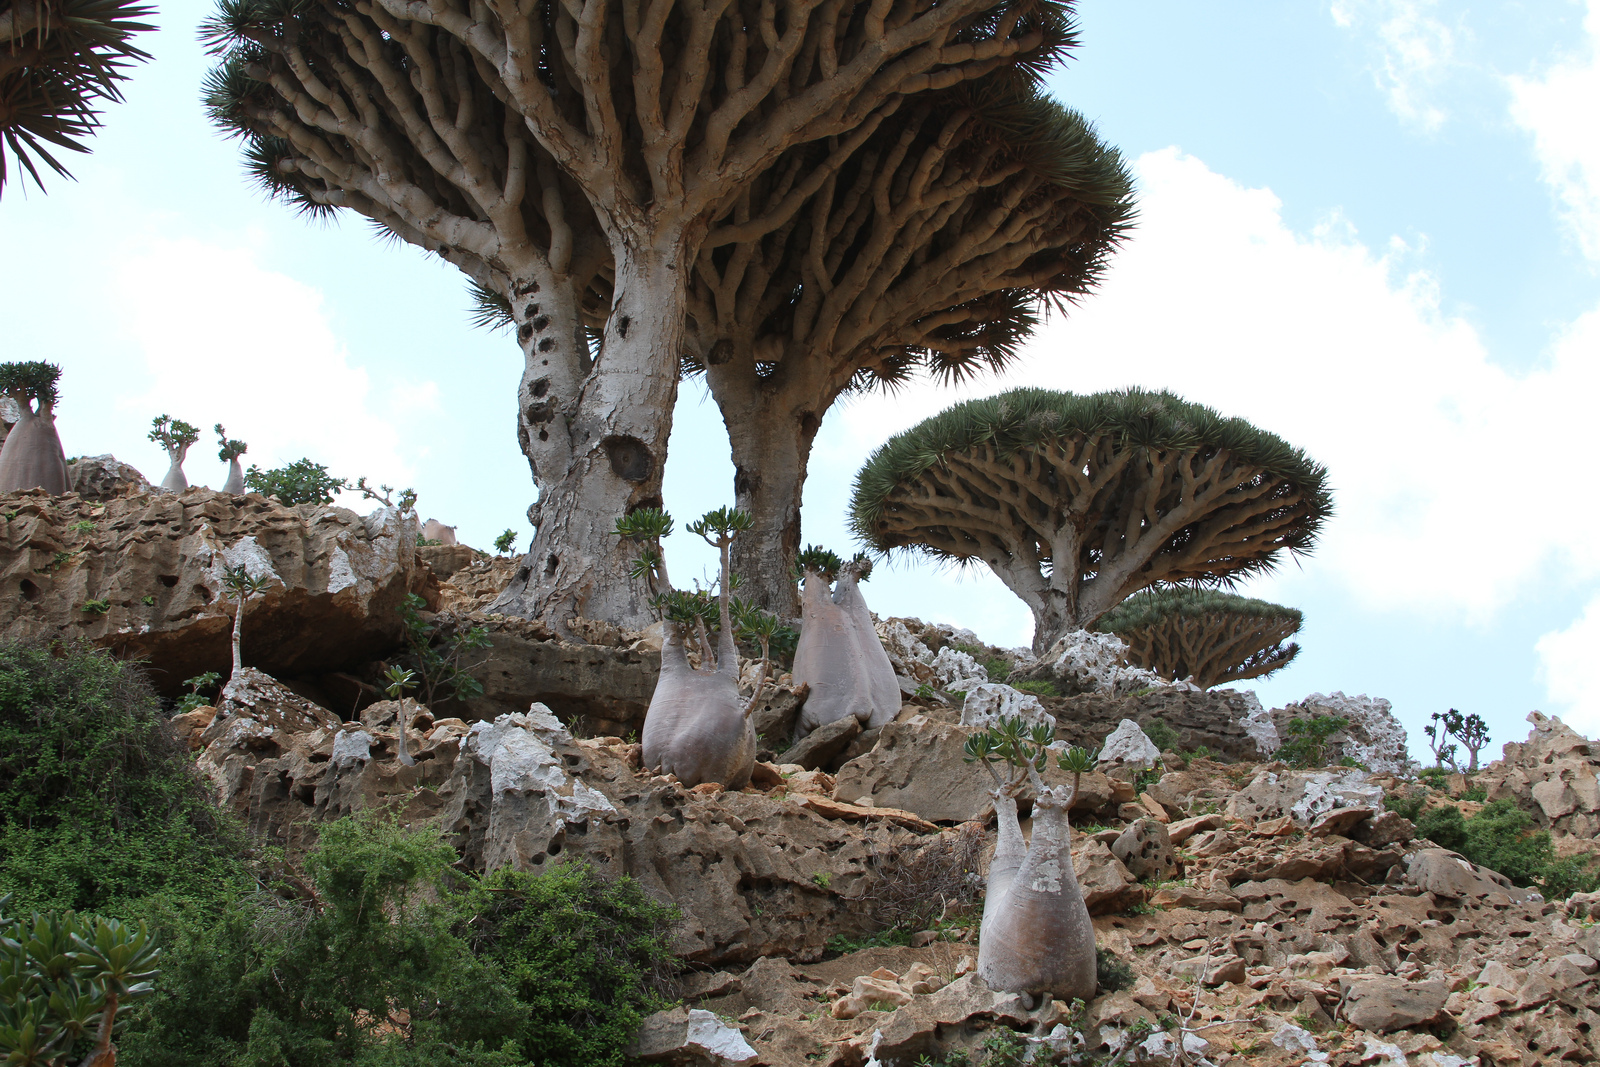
(238, 629)
(599, 450)
(175, 482)
(32, 457)
(771, 445)
(235, 483)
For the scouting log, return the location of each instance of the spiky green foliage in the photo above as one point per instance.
(1139, 483)
(61, 61)
(172, 434)
(30, 381)
(1206, 635)
(99, 809)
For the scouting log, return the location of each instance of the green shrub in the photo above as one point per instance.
(301, 482)
(1308, 741)
(1038, 689)
(1407, 807)
(1498, 838)
(1444, 826)
(195, 697)
(1111, 973)
(99, 807)
(397, 960)
(1161, 735)
(586, 958)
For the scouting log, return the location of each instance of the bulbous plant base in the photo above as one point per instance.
(1037, 936)
(32, 457)
(696, 727)
(840, 657)
(235, 483)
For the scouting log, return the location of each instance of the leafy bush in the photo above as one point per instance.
(1111, 972)
(1163, 736)
(1308, 744)
(437, 653)
(63, 979)
(1038, 689)
(585, 957)
(99, 808)
(195, 697)
(1408, 807)
(1498, 838)
(301, 482)
(396, 960)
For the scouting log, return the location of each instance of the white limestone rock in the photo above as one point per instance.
(989, 702)
(1128, 746)
(1374, 737)
(957, 671)
(1258, 724)
(351, 746)
(692, 1036)
(1304, 795)
(1086, 661)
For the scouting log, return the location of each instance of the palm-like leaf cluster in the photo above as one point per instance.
(60, 62)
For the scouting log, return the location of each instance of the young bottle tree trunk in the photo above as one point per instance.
(840, 657)
(229, 452)
(31, 457)
(235, 483)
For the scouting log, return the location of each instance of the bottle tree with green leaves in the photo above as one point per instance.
(175, 436)
(698, 727)
(240, 585)
(1036, 936)
(229, 452)
(839, 657)
(32, 457)
(1204, 635)
(64, 980)
(1077, 502)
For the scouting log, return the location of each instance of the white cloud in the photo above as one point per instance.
(1561, 112)
(224, 339)
(1453, 477)
(1415, 53)
(1570, 666)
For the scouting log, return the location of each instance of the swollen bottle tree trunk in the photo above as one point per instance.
(1036, 936)
(229, 452)
(32, 457)
(697, 727)
(175, 436)
(840, 657)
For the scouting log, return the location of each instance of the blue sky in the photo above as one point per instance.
(1372, 226)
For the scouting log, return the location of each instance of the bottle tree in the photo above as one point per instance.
(1203, 635)
(838, 657)
(176, 437)
(571, 158)
(31, 457)
(229, 452)
(932, 251)
(61, 61)
(1078, 501)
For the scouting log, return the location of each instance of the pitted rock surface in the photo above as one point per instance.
(1146, 850)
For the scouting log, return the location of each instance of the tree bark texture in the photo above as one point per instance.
(31, 457)
(515, 140)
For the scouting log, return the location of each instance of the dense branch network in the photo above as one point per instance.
(1076, 502)
(1204, 635)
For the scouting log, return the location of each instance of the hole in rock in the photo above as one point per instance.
(29, 590)
(169, 580)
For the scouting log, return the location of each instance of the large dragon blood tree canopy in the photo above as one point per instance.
(1078, 501)
(1205, 635)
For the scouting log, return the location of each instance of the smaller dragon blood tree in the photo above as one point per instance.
(1205, 636)
(32, 457)
(1035, 936)
(839, 656)
(698, 727)
(229, 452)
(175, 436)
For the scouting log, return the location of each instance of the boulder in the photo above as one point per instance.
(335, 580)
(1374, 737)
(1084, 661)
(1127, 746)
(1146, 851)
(1216, 719)
(102, 478)
(690, 1037)
(1555, 777)
(955, 670)
(989, 702)
(602, 689)
(446, 560)
(820, 746)
(476, 585)
(1448, 874)
(1381, 1003)
(434, 530)
(1107, 885)
(1303, 796)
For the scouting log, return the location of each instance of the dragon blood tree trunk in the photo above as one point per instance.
(596, 438)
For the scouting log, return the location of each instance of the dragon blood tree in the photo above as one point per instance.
(698, 727)
(571, 158)
(61, 61)
(1035, 936)
(1204, 635)
(839, 657)
(32, 457)
(1078, 501)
